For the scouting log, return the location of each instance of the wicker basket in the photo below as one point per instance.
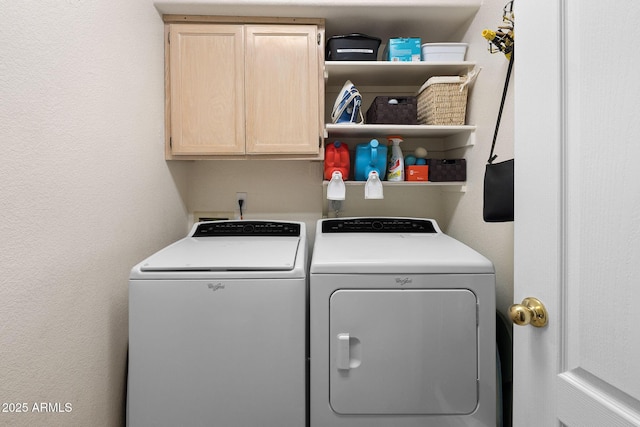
(443, 101)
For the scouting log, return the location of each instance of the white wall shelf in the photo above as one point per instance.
(408, 131)
(385, 73)
(432, 20)
(439, 139)
(374, 76)
(457, 186)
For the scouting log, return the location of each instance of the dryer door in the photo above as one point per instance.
(403, 351)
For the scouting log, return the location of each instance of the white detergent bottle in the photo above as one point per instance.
(395, 170)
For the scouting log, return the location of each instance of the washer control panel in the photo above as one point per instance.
(378, 225)
(247, 228)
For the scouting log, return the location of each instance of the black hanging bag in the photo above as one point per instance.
(498, 177)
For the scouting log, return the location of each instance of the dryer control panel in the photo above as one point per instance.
(247, 228)
(378, 225)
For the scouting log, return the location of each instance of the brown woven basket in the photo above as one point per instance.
(402, 112)
(442, 102)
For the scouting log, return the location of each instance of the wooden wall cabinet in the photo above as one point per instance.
(241, 87)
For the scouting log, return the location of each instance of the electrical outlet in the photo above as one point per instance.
(243, 197)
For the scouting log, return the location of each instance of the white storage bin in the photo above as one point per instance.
(444, 51)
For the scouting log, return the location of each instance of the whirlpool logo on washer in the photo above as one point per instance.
(403, 280)
(215, 286)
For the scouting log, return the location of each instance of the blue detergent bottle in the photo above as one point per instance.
(370, 156)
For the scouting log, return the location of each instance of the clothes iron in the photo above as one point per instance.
(347, 109)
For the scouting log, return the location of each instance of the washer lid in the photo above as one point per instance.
(244, 253)
(231, 246)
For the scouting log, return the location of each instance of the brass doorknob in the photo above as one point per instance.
(531, 311)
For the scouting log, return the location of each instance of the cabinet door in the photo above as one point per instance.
(282, 89)
(207, 90)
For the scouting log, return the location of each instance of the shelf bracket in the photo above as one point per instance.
(462, 188)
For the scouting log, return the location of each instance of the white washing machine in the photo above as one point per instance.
(217, 328)
(402, 327)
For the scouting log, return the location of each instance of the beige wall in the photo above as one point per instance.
(85, 194)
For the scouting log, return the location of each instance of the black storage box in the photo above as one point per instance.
(404, 111)
(352, 47)
(447, 170)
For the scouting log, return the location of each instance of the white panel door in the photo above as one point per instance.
(577, 222)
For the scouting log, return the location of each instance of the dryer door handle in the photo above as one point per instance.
(342, 352)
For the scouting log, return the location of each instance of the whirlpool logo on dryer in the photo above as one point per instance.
(215, 286)
(403, 280)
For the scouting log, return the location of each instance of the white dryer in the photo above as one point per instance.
(217, 328)
(402, 327)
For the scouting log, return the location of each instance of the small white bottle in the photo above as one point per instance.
(395, 169)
